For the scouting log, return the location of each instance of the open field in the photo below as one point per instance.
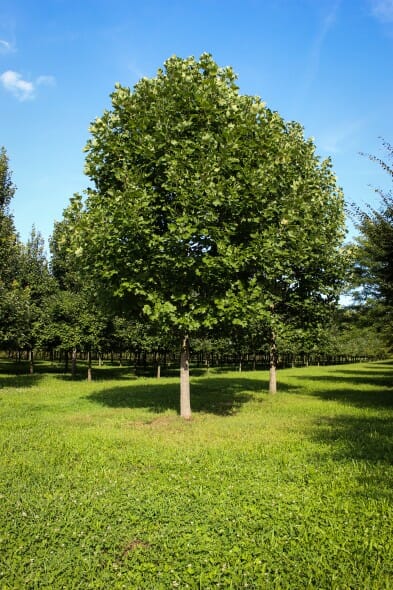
(103, 486)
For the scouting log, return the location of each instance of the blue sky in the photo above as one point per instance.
(324, 63)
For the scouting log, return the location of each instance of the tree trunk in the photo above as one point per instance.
(89, 365)
(31, 361)
(273, 365)
(73, 363)
(185, 405)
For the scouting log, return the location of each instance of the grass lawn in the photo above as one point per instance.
(103, 486)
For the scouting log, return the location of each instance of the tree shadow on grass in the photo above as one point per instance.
(370, 386)
(362, 436)
(19, 381)
(368, 438)
(222, 396)
(366, 443)
(99, 374)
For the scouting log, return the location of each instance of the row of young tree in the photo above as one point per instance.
(211, 219)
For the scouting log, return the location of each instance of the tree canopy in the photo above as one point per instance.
(13, 298)
(375, 243)
(374, 252)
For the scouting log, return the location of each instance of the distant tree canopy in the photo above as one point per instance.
(208, 210)
(374, 252)
(375, 243)
(13, 300)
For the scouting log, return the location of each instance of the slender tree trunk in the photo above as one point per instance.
(73, 363)
(273, 365)
(66, 361)
(31, 361)
(89, 365)
(157, 363)
(185, 404)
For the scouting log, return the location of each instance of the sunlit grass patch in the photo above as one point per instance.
(104, 486)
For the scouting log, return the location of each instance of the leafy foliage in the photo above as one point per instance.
(374, 252)
(359, 331)
(375, 244)
(203, 196)
(13, 298)
(7, 187)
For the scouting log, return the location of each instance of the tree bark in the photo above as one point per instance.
(73, 363)
(89, 365)
(31, 361)
(185, 404)
(273, 365)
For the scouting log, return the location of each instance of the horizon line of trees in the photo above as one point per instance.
(44, 310)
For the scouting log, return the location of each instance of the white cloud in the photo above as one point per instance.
(45, 81)
(6, 47)
(14, 83)
(23, 89)
(382, 10)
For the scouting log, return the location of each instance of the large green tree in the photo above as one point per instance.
(207, 208)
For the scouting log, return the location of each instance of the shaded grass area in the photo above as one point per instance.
(224, 397)
(103, 486)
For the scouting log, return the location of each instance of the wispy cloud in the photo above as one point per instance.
(341, 137)
(135, 71)
(22, 89)
(6, 47)
(312, 64)
(382, 10)
(326, 25)
(45, 81)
